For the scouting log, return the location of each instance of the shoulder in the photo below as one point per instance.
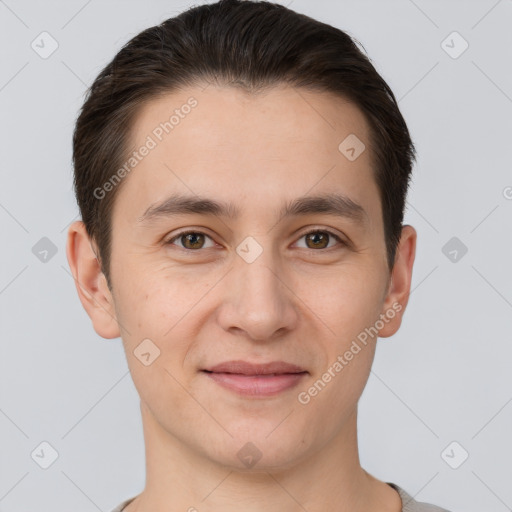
(122, 505)
(409, 504)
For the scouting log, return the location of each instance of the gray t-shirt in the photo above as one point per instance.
(409, 504)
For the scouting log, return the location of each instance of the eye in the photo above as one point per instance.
(191, 240)
(320, 238)
(195, 240)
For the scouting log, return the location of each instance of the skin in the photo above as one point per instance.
(296, 302)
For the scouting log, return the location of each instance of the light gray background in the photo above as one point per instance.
(446, 376)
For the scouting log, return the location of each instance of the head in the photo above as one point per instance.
(248, 126)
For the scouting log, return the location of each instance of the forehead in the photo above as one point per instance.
(225, 142)
(279, 114)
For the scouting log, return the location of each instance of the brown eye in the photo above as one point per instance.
(317, 240)
(320, 239)
(191, 240)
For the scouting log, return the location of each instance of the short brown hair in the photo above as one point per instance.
(246, 44)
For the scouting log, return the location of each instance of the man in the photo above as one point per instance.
(241, 171)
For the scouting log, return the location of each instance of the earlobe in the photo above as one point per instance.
(400, 282)
(90, 282)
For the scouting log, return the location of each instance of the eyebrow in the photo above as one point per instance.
(330, 204)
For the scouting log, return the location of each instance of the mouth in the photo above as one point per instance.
(256, 380)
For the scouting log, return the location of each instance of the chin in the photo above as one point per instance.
(258, 447)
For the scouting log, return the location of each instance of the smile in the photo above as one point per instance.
(256, 380)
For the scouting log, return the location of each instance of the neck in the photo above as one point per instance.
(181, 479)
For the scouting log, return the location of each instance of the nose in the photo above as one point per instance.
(258, 302)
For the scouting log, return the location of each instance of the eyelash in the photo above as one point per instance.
(197, 232)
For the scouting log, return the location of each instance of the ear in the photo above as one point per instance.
(90, 281)
(397, 296)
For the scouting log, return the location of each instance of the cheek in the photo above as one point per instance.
(161, 309)
(156, 339)
(353, 319)
(151, 304)
(348, 303)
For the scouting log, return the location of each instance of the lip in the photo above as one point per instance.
(246, 368)
(256, 380)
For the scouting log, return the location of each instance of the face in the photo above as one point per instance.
(278, 274)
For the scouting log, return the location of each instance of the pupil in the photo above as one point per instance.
(193, 237)
(317, 238)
